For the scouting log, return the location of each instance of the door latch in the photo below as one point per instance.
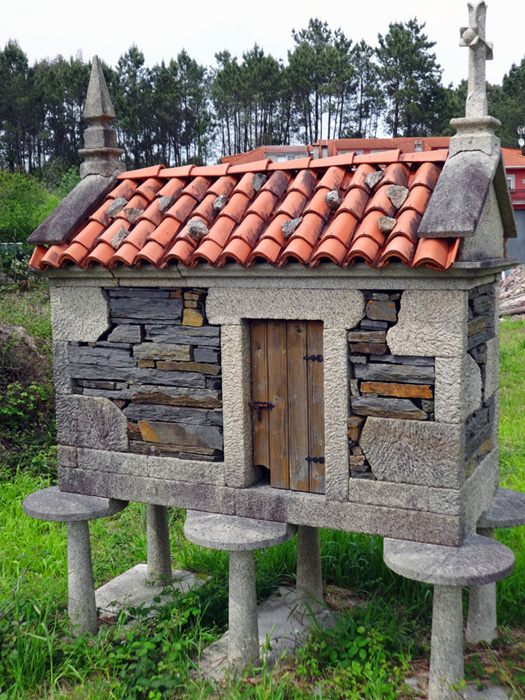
(259, 405)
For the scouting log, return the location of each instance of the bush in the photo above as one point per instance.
(24, 204)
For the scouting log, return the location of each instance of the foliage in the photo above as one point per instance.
(27, 436)
(506, 103)
(411, 79)
(24, 204)
(179, 111)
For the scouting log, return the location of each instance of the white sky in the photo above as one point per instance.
(162, 29)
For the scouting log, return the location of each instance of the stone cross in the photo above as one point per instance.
(473, 36)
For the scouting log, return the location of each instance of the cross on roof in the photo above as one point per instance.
(473, 36)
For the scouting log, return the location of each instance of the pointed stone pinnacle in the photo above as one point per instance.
(101, 152)
(98, 102)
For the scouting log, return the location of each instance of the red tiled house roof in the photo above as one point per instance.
(235, 213)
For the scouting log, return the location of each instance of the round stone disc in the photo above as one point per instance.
(61, 506)
(479, 560)
(506, 510)
(233, 533)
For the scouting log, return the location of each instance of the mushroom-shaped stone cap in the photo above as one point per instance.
(61, 506)
(479, 560)
(234, 534)
(506, 510)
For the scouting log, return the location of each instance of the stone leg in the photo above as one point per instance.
(309, 571)
(446, 650)
(81, 589)
(159, 561)
(243, 645)
(482, 621)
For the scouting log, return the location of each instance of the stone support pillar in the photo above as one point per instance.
(158, 537)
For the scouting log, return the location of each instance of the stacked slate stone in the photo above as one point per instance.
(481, 336)
(160, 364)
(382, 384)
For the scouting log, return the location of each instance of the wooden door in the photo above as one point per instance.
(288, 402)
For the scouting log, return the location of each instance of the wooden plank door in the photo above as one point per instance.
(288, 402)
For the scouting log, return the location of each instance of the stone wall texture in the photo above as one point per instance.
(159, 364)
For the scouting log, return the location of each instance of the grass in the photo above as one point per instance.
(371, 649)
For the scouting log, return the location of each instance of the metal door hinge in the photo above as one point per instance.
(315, 460)
(259, 405)
(313, 358)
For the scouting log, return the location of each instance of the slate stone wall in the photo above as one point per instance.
(482, 347)
(383, 385)
(160, 364)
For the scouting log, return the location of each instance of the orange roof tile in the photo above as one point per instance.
(244, 206)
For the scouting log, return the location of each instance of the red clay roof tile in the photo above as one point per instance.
(304, 182)
(165, 231)
(398, 247)
(299, 249)
(150, 188)
(433, 252)
(354, 202)
(124, 189)
(380, 202)
(331, 249)
(267, 249)
(36, 257)
(52, 257)
(236, 207)
(89, 234)
(182, 208)
(222, 186)
(171, 188)
(293, 204)
(113, 229)
(142, 174)
(182, 251)
(360, 175)
(245, 224)
(427, 174)
(407, 225)
(417, 199)
(140, 233)
(125, 254)
(152, 253)
(75, 253)
(263, 204)
(342, 228)
(101, 255)
(395, 174)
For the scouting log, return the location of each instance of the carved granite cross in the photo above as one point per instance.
(473, 36)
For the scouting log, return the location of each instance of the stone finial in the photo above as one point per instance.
(473, 37)
(101, 153)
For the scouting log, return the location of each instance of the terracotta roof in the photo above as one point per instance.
(264, 212)
(513, 158)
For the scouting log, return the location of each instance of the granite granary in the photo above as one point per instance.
(312, 342)
(309, 343)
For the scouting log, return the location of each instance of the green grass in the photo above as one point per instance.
(366, 655)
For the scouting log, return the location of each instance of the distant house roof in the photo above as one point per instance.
(263, 212)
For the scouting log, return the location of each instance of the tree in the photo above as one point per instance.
(15, 98)
(507, 103)
(368, 100)
(411, 80)
(132, 98)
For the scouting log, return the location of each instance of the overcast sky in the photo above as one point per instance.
(162, 29)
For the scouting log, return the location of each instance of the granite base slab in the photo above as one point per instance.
(282, 630)
(131, 590)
